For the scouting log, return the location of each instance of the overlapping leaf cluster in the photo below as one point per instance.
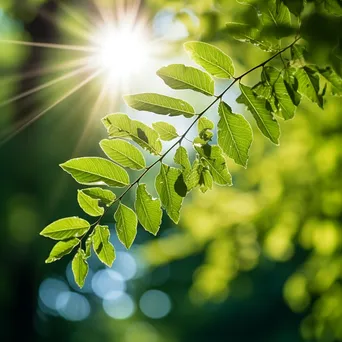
(275, 97)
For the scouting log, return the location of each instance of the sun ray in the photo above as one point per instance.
(40, 71)
(39, 115)
(49, 45)
(45, 85)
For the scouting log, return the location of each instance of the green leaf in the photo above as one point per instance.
(295, 6)
(123, 153)
(291, 84)
(333, 79)
(94, 170)
(79, 267)
(235, 134)
(204, 127)
(88, 244)
(212, 59)
(148, 210)
(166, 131)
(102, 247)
(182, 158)
(66, 228)
(165, 186)
(120, 125)
(249, 34)
(212, 157)
(192, 176)
(308, 85)
(275, 13)
(126, 225)
(179, 76)
(206, 181)
(262, 115)
(284, 101)
(62, 248)
(105, 196)
(89, 205)
(160, 104)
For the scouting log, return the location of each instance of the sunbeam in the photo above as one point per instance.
(39, 115)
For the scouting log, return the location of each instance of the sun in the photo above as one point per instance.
(120, 51)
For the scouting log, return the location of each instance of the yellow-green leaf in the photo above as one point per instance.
(166, 131)
(89, 205)
(102, 246)
(79, 267)
(62, 248)
(126, 225)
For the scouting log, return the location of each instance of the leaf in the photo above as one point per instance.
(206, 181)
(166, 131)
(204, 123)
(160, 104)
(212, 157)
(192, 177)
(123, 153)
(89, 205)
(295, 6)
(66, 228)
(148, 210)
(246, 33)
(102, 247)
(212, 59)
(120, 125)
(88, 244)
(126, 225)
(179, 76)
(79, 267)
(333, 79)
(105, 196)
(263, 117)
(308, 85)
(182, 158)
(275, 13)
(62, 248)
(291, 84)
(235, 134)
(165, 186)
(284, 101)
(94, 170)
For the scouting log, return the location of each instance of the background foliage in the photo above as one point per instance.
(280, 236)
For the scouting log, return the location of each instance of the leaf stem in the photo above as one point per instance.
(183, 136)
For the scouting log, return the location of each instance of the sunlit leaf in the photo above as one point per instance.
(79, 267)
(308, 85)
(192, 176)
(333, 79)
(94, 170)
(262, 115)
(120, 125)
(66, 228)
(62, 248)
(204, 123)
(182, 158)
(212, 157)
(123, 153)
(212, 59)
(179, 76)
(165, 186)
(166, 131)
(234, 134)
(148, 210)
(160, 104)
(126, 225)
(206, 181)
(102, 246)
(89, 205)
(105, 196)
(284, 101)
